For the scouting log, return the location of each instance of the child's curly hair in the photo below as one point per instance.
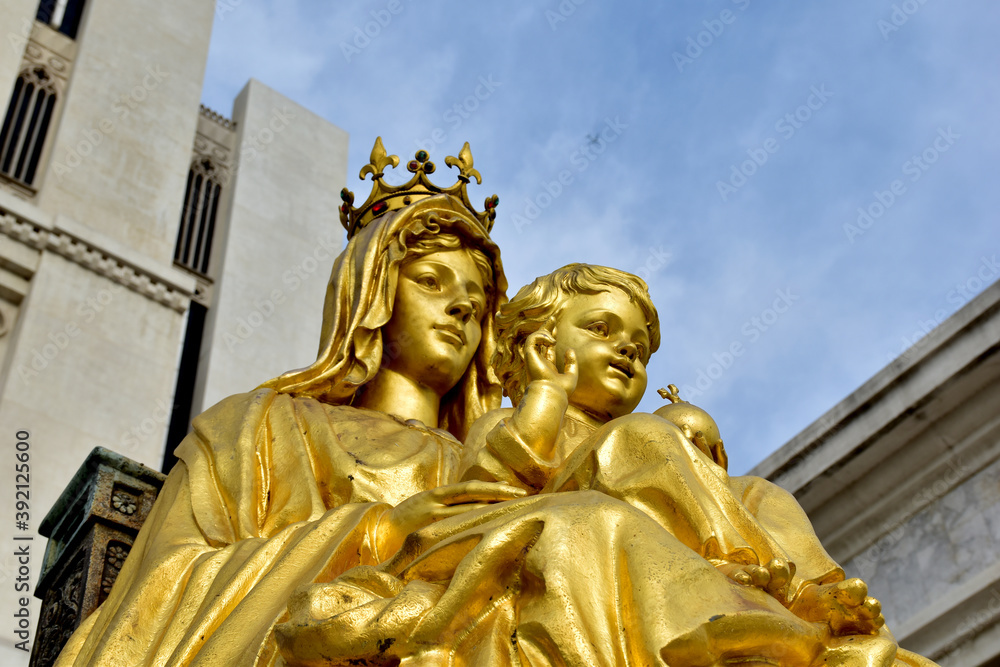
(535, 304)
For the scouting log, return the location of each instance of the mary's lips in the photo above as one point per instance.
(452, 333)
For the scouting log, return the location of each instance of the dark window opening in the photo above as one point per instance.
(201, 206)
(62, 15)
(26, 124)
(187, 374)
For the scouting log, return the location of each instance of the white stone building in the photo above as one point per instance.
(154, 256)
(902, 482)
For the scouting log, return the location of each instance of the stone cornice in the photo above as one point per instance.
(217, 117)
(174, 293)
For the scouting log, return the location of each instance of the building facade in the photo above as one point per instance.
(902, 482)
(155, 256)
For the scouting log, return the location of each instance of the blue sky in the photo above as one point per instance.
(720, 149)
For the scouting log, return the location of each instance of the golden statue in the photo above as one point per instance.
(335, 517)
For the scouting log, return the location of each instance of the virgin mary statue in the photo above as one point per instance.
(319, 520)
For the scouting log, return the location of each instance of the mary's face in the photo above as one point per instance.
(436, 323)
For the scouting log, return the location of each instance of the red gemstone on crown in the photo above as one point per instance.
(380, 207)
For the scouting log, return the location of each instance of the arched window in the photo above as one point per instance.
(26, 124)
(201, 204)
(62, 15)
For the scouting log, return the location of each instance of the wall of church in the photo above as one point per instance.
(929, 571)
(120, 156)
(91, 362)
(278, 247)
(902, 483)
(16, 17)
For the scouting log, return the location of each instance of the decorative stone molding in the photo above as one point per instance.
(203, 291)
(217, 117)
(94, 259)
(215, 141)
(61, 609)
(114, 558)
(51, 50)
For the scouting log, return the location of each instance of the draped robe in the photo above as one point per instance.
(270, 530)
(611, 564)
(271, 492)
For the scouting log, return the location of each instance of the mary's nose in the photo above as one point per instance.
(461, 307)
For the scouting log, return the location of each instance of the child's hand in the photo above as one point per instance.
(540, 355)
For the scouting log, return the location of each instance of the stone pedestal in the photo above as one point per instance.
(90, 529)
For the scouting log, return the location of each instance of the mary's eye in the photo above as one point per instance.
(429, 281)
(599, 328)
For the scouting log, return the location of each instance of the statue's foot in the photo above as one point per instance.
(774, 578)
(843, 605)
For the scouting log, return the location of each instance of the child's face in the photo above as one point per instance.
(609, 334)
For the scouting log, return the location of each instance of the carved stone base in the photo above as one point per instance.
(90, 529)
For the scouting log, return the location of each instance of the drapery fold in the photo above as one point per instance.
(271, 492)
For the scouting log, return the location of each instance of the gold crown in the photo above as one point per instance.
(385, 197)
